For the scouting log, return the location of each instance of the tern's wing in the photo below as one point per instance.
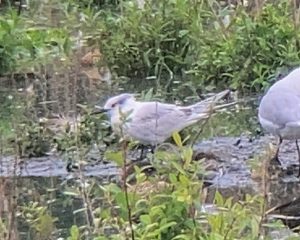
(154, 122)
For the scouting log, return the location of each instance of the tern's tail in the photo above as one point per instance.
(205, 108)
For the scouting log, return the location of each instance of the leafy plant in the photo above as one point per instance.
(23, 45)
(168, 205)
(174, 48)
(39, 220)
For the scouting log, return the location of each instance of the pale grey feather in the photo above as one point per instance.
(154, 122)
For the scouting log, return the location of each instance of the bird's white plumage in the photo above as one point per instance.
(279, 110)
(154, 122)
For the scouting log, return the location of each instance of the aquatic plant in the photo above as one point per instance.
(167, 50)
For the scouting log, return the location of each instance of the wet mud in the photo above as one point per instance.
(230, 158)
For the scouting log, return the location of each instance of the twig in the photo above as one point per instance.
(12, 202)
(265, 195)
(230, 227)
(90, 218)
(225, 105)
(296, 14)
(88, 212)
(259, 4)
(124, 153)
(20, 8)
(124, 119)
(202, 126)
(221, 24)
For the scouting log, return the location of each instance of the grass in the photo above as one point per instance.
(171, 49)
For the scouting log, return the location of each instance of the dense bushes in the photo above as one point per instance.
(169, 46)
(169, 43)
(25, 44)
(192, 40)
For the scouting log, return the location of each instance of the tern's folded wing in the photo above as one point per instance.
(153, 122)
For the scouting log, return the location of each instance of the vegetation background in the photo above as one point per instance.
(58, 58)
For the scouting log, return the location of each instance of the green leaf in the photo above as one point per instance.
(165, 226)
(121, 200)
(219, 200)
(145, 219)
(45, 225)
(116, 157)
(74, 231)
(173, 178)
(178, 167)
(182, 237)
(114, 188)
(255, 226)
(70, 193)
(177, 139)
(148, 94)
(187, 156)
(184, 180)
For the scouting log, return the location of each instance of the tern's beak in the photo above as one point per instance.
(98, 110)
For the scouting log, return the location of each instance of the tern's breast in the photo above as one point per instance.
(279, 112)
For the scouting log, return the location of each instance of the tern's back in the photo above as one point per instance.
(154, 122)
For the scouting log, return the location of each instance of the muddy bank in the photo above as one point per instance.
(229, 156)
(50, 166)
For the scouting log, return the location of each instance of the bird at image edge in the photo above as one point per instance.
(279, 110)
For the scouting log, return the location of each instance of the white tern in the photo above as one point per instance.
(153, 122)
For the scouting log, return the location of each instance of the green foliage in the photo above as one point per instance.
(150, 42)
(39, 220)
(169, 41)
(175, 47)
(8, 108)
(169, 205)
(23, 44)
(74, 232)
(236, 220)
(252, 49)
(84, 132)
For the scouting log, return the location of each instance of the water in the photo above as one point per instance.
(39, 189)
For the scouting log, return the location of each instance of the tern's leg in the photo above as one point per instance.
(142, 153)
(152, 148)
(276, 158)
(298, 150)
(143, 148)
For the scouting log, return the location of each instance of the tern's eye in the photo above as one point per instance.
(113, 105)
